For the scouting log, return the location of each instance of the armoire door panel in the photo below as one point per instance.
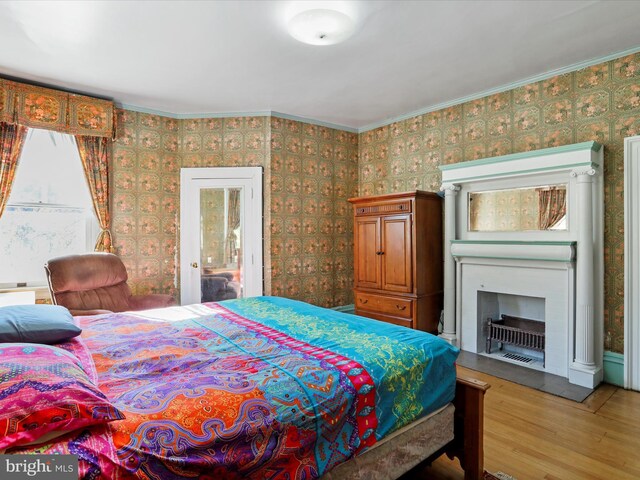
(396, 253)
(366, 250)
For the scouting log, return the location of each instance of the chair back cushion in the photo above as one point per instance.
(88, 282)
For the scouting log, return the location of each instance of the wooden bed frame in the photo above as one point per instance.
(467, 444)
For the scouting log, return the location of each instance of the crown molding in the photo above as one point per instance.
(262, 113)
(185, 116)
(388, 121)
(320, 123)
(503, 88)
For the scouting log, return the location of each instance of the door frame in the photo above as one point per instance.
(252, 204)
(631, 262)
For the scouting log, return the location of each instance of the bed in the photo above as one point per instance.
(267, 388)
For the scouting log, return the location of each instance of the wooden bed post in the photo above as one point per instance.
(467, 444)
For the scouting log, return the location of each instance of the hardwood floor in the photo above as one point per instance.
(534, 435)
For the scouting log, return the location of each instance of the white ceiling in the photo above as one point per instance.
(235, 56)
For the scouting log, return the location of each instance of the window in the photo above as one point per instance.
(49, 212)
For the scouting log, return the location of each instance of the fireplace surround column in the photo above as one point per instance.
(449, 327)
(584, 355)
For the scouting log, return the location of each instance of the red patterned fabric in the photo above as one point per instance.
(11, 142)
(45, 392)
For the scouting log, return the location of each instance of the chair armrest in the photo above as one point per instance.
(84, 313)
(153, 300)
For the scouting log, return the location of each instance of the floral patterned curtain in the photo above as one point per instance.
(51, 109)
(11, 142)
(551, 206)
(94, 153)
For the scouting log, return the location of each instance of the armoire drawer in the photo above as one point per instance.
(398, 307)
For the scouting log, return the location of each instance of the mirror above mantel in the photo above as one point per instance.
(522, 209)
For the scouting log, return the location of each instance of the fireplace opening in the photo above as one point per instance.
(517, 331)
(511, 328)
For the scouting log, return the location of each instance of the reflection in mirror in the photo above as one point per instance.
(518, 209)
(221, 243)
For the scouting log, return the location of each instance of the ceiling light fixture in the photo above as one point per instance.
(321, 26)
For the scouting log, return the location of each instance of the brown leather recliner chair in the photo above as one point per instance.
(95, 283)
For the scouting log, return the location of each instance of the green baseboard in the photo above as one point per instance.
(351, 308)
(614, 368)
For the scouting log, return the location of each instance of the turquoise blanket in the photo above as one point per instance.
(413, 371)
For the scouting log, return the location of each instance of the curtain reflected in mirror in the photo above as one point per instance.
(220, 244)
(233, 225)
(518, 209)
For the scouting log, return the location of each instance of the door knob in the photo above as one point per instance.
(194, 264)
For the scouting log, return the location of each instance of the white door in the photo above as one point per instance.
(220, 233)
(632, 263)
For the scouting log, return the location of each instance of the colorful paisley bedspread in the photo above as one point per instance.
(260, 388)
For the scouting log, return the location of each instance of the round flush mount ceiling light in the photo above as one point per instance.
(321, 26)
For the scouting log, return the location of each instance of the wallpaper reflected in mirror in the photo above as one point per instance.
(220, 227)
(518, 209)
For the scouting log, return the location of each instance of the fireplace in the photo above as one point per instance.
(541, 288)
(512, 328)
(517, 332)
(524, 239)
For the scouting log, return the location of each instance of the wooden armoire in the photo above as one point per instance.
(398, 260)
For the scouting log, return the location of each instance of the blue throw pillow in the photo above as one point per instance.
(36, 324)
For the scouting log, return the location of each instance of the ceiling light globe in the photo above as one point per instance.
(321, 27)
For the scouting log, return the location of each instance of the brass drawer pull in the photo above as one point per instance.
(401, 307)
(364, 300)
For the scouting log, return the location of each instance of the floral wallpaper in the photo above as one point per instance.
(307, 217)
(504, 210)
(213, 244)
(146, 199)
(599, 103)
(313, 173)
(232, 142)
(310, 171)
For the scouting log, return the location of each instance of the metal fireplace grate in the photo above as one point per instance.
(518, 331)
(517, 358)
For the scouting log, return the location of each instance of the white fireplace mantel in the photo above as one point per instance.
(544, 263)
(514, 250)
(542, 270)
